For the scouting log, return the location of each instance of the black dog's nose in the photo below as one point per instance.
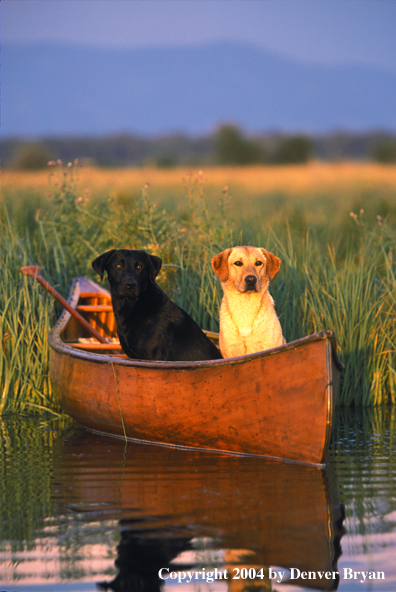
(129, 284)
(251, 280)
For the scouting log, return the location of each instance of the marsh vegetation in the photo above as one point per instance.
(333, 226)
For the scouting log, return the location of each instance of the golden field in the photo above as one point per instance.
(348, 178)
(258, 197)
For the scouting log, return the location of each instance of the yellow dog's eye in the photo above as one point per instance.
(258, 263)
(238, 263)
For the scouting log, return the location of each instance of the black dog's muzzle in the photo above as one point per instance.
(130, 284)
(129, 287)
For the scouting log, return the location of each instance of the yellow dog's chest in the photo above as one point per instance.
(244, 315)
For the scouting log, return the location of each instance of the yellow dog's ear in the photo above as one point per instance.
(220, 264)
(273, 264)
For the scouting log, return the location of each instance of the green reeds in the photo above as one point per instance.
(25, 319)
(349, 289)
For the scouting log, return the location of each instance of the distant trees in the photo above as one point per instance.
(30, 156)
(228, 145)
(232, 147)
(294, 150)
(385, 152)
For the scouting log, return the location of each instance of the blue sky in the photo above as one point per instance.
(322, 31)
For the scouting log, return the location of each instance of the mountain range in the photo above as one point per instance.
(58, 90)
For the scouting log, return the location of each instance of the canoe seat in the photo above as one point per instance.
(96, 308)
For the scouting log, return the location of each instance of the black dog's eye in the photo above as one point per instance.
(238, 263)
(118, 266)
(258, 263)
(139, 266)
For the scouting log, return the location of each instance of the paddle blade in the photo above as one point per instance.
(33, 270)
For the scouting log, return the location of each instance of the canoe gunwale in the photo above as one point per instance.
(55, 341)
(67, 349)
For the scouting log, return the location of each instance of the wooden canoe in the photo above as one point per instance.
(277, 403)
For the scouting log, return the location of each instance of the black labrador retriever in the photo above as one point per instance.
(149, 325)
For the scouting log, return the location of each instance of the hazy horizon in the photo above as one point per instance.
(308, 31)
(187, 67)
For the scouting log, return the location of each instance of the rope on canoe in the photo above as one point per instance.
(119, 403)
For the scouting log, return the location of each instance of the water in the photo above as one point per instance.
(82, 512)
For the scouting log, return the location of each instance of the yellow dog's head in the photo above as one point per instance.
(248, 269)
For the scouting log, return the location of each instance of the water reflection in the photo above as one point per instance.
(265, 512)
(82, 508)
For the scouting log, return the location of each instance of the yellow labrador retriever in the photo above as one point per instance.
(248, 321)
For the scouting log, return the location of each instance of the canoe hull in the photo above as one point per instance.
(250, 407)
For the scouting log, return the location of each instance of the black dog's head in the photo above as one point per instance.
(129, 272)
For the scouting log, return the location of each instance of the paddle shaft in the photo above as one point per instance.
(34, 271)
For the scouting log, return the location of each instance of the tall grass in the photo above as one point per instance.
(347, 286)
(26, 314)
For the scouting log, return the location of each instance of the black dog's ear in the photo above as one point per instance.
(99, 264)
(155, 264)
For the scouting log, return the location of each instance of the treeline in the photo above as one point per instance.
(229, 145)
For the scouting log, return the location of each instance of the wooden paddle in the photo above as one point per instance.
(34, 271)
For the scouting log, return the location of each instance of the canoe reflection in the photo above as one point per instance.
(189, 510)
